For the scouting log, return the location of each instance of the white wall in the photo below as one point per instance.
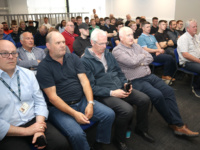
(17, 6)
(163, 9)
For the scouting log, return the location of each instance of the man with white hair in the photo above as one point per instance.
(109, 87)
(134, 62)
(189, 52)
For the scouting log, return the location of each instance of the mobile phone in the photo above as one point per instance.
(128, 86)
(41, 141)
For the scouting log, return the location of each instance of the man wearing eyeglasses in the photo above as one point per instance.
(109, 84)
(23, 110)
(29, 56)
(69, 35)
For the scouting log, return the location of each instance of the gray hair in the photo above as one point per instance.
(22, 35)
(122, 30)
(187, 23)
(95, 33)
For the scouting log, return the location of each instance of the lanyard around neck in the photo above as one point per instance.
(18, 84)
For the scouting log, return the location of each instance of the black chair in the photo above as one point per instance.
(182, 69)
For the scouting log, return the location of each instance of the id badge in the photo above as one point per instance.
(24, 107)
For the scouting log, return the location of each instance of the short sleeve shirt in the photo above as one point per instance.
(161, 37)
(147, 41)
(187, 43)
(64, 77)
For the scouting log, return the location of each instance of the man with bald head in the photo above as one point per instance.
(40, 36)
(109, 86)
(134, 62)
(29, 55)
(23, 108)
(4, 36)
(70, 99)
(69, 35)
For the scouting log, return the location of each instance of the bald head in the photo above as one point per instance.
(126, 36)
(124, 30)
(43, 30)
(5, 44)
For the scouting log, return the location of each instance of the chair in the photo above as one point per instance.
(113, 42)
(42, 46)
(155, 64)
(18, 44)
(179, 68)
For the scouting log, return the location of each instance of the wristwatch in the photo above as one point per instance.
(91, 102)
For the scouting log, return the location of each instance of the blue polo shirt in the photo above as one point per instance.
(64, 77)
(148, 41)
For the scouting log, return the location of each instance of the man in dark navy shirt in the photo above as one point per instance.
(62, 78)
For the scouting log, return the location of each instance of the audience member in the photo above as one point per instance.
(93, 26)
(137, 20)
(163, 39)
(70, 99)
(179, 26)
(22, 27)
(113, 21)
(134, 62)
(154, 27)
(6, 28)
(23, 108)
(61, 28)
(82, 41)
(29, 56)
(172, 33)
(69, 35)
(128, 19)
(133, 26)
(40, 36)
(97, 21)
(87, 21)
(189, 52)
(4, 36)
(120, 24)
(94, 14)
(78, 21)
(73, 19)
(102, 23)
(46, 23)
(139, 31)
(15, 34)
(148, 42)
(31, 28)
(109, 86)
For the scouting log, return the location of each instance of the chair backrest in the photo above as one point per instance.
(42, 46)
(176, 55)
(113, 42)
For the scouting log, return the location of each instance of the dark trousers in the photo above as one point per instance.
(162, 97)
(170, 51)
(195, 67)
(169, 63)
(55, 140)
(124, 112)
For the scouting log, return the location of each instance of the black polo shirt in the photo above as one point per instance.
(153, 30)
(161, 37)
(64, 77)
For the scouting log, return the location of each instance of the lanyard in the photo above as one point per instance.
(18, 83)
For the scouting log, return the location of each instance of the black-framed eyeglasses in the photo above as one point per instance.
(102, 44)
(6, 55)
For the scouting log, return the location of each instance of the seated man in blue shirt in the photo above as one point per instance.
(62, 77)
(4, 36)
(108, 84)
(23, 109)
(149, 43)
(29, 56)
(134, 62)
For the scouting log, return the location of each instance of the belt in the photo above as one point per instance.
(73, 102)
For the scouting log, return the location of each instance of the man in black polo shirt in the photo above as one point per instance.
(70, 99)
(163, 39)
(154, 27)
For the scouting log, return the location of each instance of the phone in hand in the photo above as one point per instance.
(41, 141)
(128, 86)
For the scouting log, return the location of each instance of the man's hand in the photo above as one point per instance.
(170, 43)
(36, 135)
(119, 93)
(161, 51)
(38, 61)
(89, 111)
(163, 44)
(157, 53)
(81, 118)
(36, 127)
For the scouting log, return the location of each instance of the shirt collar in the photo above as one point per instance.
(16, 70)
(49, 58)
(145, 34)
(26, 50)
(126, 46)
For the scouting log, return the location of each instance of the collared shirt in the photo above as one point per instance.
(187, 43)
(134, 61)
(10, 104)
(69, 39)
(47, 25)
(147, 41)
(30, 55)
(102, 59)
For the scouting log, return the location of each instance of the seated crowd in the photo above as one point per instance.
(95, 84)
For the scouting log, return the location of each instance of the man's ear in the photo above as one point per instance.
(48, 45)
